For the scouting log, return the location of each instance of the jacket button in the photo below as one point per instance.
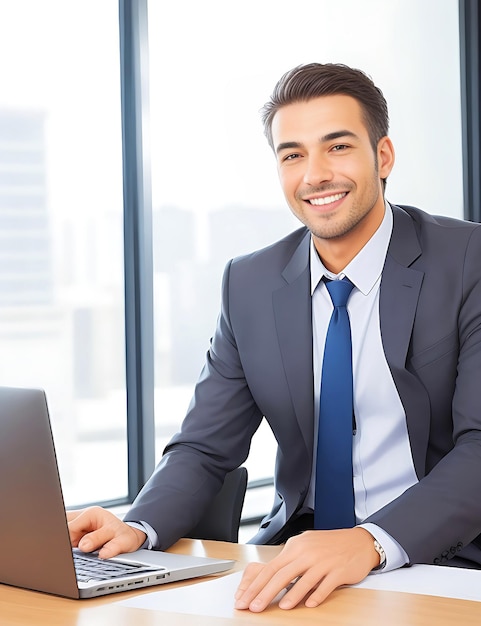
(437, 561)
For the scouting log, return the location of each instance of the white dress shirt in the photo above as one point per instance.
(382, 461)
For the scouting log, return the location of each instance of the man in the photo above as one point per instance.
(415, 317)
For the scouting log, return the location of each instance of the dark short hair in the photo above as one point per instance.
(313, 80)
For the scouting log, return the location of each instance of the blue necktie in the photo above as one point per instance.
(334, 502)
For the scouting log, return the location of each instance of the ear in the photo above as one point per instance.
(385, 157)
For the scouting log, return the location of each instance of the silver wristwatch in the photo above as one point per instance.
(382, 555)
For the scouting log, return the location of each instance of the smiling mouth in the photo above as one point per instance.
(327, 199)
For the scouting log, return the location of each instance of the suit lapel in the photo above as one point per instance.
(399, 295)
(293, 318)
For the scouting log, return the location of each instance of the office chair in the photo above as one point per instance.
(222, 519)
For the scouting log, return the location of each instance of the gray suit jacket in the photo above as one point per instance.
(260, 365)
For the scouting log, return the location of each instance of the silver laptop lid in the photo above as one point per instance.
(35, 551)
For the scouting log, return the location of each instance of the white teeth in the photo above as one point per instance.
(327, 199)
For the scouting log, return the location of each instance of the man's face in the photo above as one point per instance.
(329, 172)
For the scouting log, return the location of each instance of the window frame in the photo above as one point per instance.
(470, 27)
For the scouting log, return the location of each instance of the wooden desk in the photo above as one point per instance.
(359, 607)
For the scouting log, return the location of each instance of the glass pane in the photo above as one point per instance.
(61, 242)
(215, 188)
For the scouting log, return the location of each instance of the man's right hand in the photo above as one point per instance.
(96, 528)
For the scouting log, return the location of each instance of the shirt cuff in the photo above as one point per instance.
(396, 556)
(152, 540)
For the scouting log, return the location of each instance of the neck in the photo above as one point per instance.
(336, 253)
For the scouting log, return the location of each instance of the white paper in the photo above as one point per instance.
(431, 580)
(215, 598)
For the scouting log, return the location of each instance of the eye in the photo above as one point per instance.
(291, 157)
(339, 147)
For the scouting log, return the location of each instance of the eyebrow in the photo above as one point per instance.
(338, 134)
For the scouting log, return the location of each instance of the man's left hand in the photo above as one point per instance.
(311, 565)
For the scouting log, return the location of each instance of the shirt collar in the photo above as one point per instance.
(366, 267)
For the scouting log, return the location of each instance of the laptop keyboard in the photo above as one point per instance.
(90, 568)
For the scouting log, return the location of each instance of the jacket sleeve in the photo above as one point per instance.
(441, 514)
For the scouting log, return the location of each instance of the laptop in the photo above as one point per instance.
(35, 549)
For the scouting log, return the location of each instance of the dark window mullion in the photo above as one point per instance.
(137, 242)
(470, 30)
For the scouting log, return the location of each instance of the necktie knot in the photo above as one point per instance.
(339, 290)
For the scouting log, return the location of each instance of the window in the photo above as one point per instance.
(61, 241)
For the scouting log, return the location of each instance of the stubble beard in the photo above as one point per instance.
(332, 226)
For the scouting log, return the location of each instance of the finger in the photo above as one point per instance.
(325, 588)
(256, 575)
(117, 545)
(71, 515)
(79, 524)
(94, 523)
(129, 540)
(254, 579)
(301, 588)
(266, 587)
(95, 540)
(85, 520)
(250, 574)
(113, 541)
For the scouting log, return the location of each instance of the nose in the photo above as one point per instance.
(318, 170)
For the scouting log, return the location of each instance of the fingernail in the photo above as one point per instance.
(311, 604)
(238, 604)
(285, 604)
(256, 606)
(85, 545)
